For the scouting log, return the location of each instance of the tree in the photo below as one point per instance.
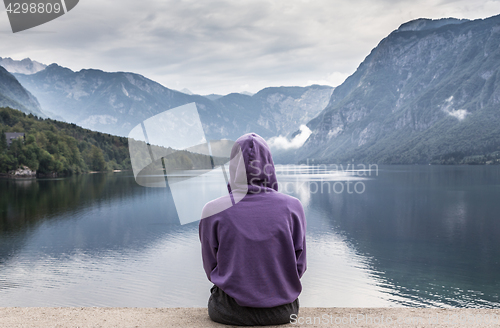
(47, 163)
(97, 162)
(31, 158)
(3, 141)
(7, 162)
(16, 147)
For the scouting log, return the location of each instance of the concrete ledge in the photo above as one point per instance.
(198, 317)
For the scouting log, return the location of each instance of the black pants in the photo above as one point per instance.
(222, 308)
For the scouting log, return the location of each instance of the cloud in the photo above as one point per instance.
(283, 143)
(215, 46)
(459, 114)
(333, 79)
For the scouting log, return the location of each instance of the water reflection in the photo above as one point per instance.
(92, 212)
(338, 275)
(415, 236)
(430, 231)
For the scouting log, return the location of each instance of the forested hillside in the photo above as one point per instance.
(53, 146)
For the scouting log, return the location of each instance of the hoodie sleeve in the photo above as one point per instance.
(299, 236)
(209, 245)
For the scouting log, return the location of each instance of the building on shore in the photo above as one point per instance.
(10, 136)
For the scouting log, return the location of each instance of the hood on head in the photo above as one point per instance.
(254, 167)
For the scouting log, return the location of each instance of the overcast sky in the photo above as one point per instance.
(217, 46)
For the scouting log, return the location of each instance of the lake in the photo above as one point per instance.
(392, 236)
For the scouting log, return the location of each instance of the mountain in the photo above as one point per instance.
(187, 91)
(25, 66)
(279, 110)
(428, 93)
(213, 96)
(116, 102)
(427, 24)
(14, 95)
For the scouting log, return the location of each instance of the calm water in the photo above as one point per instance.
(416, 236)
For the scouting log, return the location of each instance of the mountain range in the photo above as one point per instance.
(116, 102)
(25, 66)
(429, 92)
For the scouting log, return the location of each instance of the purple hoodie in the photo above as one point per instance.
(255, 250)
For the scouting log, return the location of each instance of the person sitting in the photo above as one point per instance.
(254, 250)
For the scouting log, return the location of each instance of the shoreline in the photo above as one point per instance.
(9, 177)
(14, 317)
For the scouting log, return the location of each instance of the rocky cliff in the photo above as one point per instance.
(14, 95)
(428, 91)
